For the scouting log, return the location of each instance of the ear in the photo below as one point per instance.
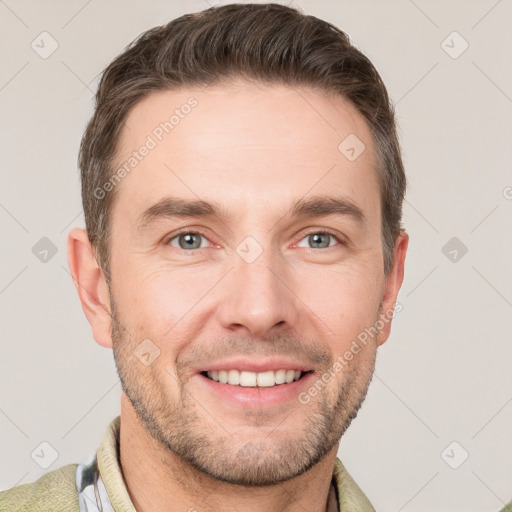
(91, 285)
(392, 286)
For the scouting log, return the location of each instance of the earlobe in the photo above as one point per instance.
(91, 285)
(392, 285)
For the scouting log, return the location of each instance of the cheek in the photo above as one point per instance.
(156, 299)
(347, 302)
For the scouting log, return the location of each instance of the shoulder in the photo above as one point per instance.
(55, 491)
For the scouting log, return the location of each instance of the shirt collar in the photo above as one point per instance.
(101, 487)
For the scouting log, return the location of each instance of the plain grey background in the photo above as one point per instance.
(442, 389)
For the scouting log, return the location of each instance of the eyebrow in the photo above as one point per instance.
(314, 206)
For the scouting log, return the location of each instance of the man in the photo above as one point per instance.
(242, 187)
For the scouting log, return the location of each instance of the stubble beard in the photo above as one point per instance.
(191, 435)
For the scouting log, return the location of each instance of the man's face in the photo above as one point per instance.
(254, 282)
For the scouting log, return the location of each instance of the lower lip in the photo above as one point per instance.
(259, 396)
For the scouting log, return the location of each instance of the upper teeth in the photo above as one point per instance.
(250, 379)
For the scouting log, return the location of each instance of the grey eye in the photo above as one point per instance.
(187, 240)
(318, 240)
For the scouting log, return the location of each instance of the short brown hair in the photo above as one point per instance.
(266, 43)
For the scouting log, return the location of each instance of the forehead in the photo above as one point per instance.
(249, 145)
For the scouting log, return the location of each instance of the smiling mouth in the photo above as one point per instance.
(247, 379)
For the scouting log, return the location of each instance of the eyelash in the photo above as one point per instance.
(187, 231)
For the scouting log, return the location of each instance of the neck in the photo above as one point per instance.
(159, 480)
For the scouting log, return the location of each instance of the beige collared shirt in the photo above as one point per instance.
(97, 485)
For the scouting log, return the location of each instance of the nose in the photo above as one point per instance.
(257, 297)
